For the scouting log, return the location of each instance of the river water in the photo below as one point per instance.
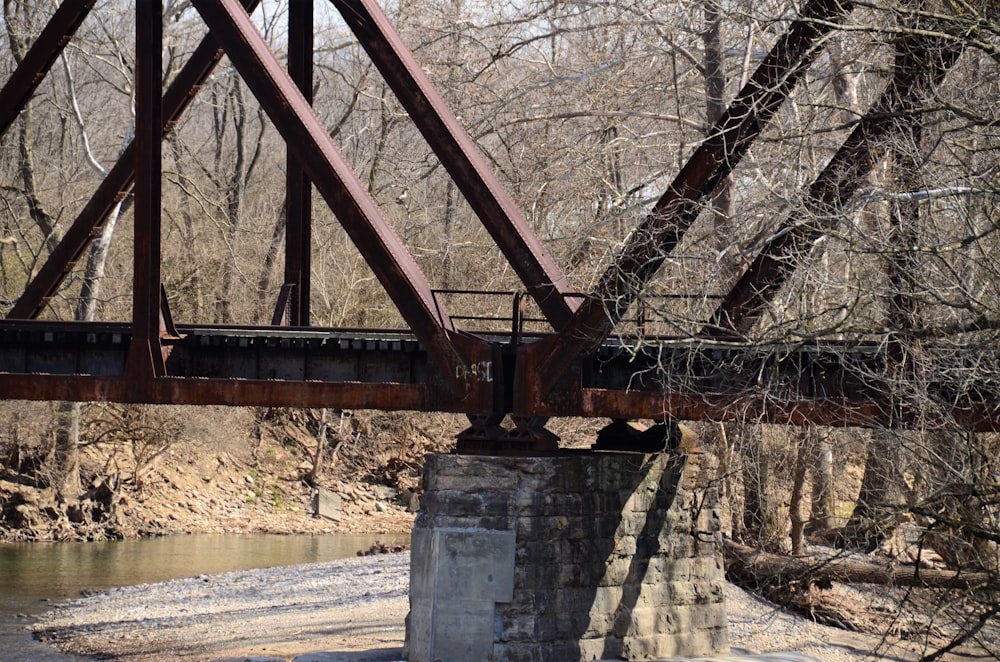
(34, 574)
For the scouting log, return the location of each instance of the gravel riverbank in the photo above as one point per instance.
(352, 609)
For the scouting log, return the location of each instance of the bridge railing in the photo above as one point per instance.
(493, 311)
(662, 315)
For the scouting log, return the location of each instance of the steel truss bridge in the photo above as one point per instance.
(576, 368)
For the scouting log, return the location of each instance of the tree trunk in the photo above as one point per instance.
(97, 259)
(16, 13)
(324, 429)
(760, 513)
(381, 144)
(723, 203)
(880, 500)
(882, 485)
(764, 568)
(959, 508)
(845, 80)
(449, 231)
(267, 271)
(821, 515)
(244, 160)
(67, 452)
(798, 485)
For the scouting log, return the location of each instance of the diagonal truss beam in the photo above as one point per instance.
(677, 209)
(462, 159)
(921, 63)
(116, 185)
(40, 58)
(333, 177)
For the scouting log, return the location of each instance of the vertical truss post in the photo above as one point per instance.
(116, 184)
(40, 57)
(298, 188)
(145, 358)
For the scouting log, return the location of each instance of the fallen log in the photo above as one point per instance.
(749, 564)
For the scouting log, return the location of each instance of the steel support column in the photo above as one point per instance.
(39, 59)
(921, 64)
(461, 158)
(298, 188)
(145, 358)
(116, 185)
(674, 212)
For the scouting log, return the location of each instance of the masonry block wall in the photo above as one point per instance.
(611, 555)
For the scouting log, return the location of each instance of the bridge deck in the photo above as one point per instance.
(837, 383)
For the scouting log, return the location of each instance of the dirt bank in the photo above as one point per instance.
(242, 473)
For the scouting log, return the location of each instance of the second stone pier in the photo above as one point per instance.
(580, 556)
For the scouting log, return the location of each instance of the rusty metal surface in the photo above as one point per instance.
(145, 359)
(333, 177)
(826, 383)
(460, 156)
(39, 59)
(921, 64)
(674, 212)
(116, 185)
(229, 392)
(298, 188)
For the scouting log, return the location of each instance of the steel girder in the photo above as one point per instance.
(921, 64)
(544, 365)
(146, 360)
(40, 57)
(461, 158)
(819, 383)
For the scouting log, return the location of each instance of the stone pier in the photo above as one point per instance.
(580, 556)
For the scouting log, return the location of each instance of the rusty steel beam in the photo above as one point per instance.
(461, 157)
(116, 185)
(824, 383)
(977, 416)
(298, 188)
(674, 212)
(920, 65)
(234, 392)
(832, 412)
(339, 185)
(145, 359)
(39, 59)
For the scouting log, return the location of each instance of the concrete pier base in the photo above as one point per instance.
(581, 556)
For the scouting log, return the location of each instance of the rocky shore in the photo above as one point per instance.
(347, 605)
(352, 609)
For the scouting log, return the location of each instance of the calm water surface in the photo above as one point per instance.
(33, 574)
